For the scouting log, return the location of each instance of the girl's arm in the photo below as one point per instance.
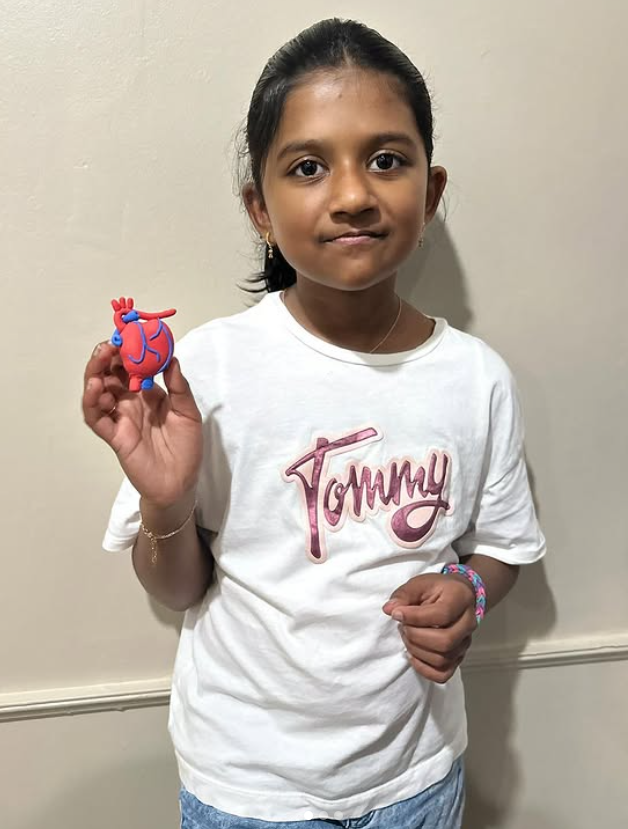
(183, 568)
(499, 578)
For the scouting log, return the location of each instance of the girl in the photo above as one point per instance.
(307, 494)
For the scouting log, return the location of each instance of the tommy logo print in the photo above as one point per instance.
(413, 493)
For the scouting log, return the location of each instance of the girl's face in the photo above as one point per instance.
(347, 157)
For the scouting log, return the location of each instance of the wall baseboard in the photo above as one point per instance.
(122, 696)
(553, 653)
(84, 699)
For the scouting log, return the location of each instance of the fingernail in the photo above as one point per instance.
(96, 350)
(398, 615)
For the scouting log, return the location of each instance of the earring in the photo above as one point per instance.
(270, 247)
(420, 242)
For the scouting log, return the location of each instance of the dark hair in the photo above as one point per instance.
(328, 44)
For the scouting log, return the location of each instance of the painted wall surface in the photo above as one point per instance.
(117, 122)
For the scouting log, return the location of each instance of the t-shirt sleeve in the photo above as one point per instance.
(124, 520)
(504, 523)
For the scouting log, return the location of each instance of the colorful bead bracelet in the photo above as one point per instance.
(478, 586)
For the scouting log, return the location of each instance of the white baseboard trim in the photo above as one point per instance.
(121, 696)
(553, 653)
(84, 699)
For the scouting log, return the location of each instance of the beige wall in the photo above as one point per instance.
(116, 126)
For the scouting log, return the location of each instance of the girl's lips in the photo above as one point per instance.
(355, 240)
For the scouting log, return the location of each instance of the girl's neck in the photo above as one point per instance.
(358, 320)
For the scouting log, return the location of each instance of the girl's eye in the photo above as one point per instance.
(385, 161)
(308, 167)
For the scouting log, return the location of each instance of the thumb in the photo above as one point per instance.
(413, 592)
(179, 392)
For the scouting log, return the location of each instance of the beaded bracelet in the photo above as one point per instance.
(478, 586)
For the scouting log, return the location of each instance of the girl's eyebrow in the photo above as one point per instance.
(373, 140)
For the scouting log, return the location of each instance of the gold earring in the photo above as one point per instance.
(270, 247)
(421, 242)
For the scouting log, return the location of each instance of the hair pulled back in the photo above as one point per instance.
(329, 44)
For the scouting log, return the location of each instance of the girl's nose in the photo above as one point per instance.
(351, 193)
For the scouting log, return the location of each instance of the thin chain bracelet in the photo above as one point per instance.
(478, 586)
(154, 537)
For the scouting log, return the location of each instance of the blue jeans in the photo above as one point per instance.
(439, 807)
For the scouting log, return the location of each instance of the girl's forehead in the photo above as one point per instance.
(341, 101)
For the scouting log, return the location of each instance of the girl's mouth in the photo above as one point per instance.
(350, 241)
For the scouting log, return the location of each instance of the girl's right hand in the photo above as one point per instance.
(156, 435)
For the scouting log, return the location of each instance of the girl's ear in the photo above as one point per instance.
(435, 188)
(256, 209)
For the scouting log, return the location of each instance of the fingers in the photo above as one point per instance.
(436, 654)
(391, 604)
(100, 360)
(420, 592)
(409, 593)
(106, 362)
(440, 658)
(434, 665)
(437, 619)
(102, 386)
(181, 398)
(99, 408)
(434, 615)
(442, 640)
(439, 675)
(432, 601)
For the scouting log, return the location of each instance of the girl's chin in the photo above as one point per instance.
(345, 282)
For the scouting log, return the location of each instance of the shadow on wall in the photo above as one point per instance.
(433, 280)
(165, 617)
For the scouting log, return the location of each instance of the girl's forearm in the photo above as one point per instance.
(181, 572)
(498, 578)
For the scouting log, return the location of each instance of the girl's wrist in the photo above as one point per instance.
(163, 518)
(463, 580)
(474, 580)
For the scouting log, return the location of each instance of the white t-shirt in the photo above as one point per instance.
(329, 479)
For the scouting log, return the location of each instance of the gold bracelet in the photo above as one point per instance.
(154, 537)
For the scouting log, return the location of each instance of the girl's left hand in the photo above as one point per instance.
(437, 620)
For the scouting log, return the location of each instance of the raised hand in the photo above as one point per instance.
(437, 619)
(156, 435)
